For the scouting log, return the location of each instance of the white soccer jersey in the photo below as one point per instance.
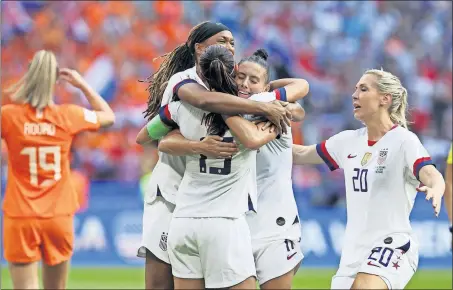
(211, 187)
(381, 182)
(277, 206)
(168, 172)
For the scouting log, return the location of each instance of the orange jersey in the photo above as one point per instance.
(39, 141)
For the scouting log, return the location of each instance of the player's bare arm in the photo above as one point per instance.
(221, 103)
(144, 139)
(297, 112)
(175, 144)
(153, 131)
(434, 186)
(296, 89)
(449, 188)
(249, 134)
(306, 155)
(104, 113)
(449, 191)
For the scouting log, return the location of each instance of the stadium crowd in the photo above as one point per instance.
(115, 44)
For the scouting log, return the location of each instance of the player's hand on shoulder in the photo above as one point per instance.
(434, 195)
(72, 77)
(213, 147)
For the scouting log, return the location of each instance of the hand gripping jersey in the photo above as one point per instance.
(168, 172)
(381, 182)
(39, 141)
(277, 206)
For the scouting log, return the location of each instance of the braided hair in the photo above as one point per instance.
(217, 69)
(180, 59)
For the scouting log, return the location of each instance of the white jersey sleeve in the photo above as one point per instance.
(332, 150)
(270, 96)
(266, 97)
(169, 90)
(415, 155)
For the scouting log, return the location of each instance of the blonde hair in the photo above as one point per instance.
(36, 87)
(387, 83)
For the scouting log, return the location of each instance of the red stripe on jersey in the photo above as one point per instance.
(371, 143)
(327, 155)
(277, 94)
(167, 113)
(419, 163)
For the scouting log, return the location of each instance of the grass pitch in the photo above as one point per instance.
(307, 278)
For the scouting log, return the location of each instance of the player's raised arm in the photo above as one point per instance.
(175, 144)
(163, 127)
(295, 88)
(160, 125)
(249, 134)
(104, 113)
(222, 103)
(297, 112)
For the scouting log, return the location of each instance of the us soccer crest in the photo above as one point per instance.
(163, 241)
(366, 158)
(382, 156)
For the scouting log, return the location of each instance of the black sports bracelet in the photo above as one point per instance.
(451, 229)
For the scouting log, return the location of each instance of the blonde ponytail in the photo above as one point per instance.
(387, 83)
(37, 86)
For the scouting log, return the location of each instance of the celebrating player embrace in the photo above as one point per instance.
(383, 164)
(209, 238)
(181, 64)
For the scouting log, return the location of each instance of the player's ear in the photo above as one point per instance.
(199, 49)
(385, 100)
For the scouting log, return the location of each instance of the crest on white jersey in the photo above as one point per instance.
(382, 156)
(163, 241)
(366, 158)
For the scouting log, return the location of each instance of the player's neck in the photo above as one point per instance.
(378, 129)
(200, 75)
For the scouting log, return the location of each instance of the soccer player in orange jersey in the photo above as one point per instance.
(40, 199)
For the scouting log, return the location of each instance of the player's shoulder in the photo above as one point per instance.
(404, 134)
(183, 75)
(348, 134)
(12, 108)
(64, 109)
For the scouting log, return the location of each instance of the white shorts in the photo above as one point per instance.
(156, 223)
(275, 258)
(216, 249)
(394, 258)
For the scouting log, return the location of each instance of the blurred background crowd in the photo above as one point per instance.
(114, 44)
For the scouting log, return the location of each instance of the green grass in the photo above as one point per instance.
(132, 278)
